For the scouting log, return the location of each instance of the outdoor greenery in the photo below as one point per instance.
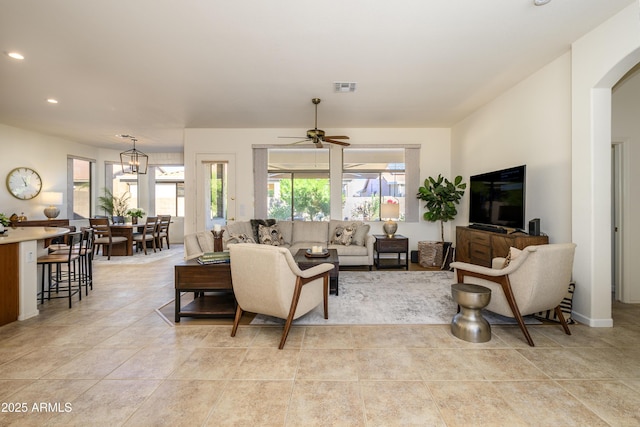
(441, 197)
(114, 205)
(310, 198)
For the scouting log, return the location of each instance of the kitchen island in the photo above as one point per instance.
(19, 250)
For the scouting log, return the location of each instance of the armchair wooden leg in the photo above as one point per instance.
(292, 312)
(563, 321)
(325, 288)
(506, 287)
(236, 321)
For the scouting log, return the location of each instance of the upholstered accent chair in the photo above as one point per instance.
(529, 281)
(267, 280)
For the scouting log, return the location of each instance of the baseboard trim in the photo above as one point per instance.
(594, 323)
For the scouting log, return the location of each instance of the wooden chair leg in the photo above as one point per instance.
(508, 293)
(236, 321)
(563, 321)
(292, 312)
(325, 289)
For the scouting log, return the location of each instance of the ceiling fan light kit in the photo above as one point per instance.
(317, 136)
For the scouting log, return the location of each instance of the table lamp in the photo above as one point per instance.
(390, 211)
(51, 198)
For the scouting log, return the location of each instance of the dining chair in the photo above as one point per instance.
(148, 234)
(103, 236)
(163, 230)
(55, 278)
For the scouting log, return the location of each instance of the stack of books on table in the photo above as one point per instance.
(214, 258)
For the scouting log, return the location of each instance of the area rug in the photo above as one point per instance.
(176, 253)
(389, 298)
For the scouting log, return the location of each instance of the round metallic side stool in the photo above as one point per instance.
(468, 324)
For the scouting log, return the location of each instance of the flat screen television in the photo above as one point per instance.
(497, 198)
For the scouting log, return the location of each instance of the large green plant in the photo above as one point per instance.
(114, 205)
(441, 197)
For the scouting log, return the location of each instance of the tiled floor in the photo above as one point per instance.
(112, 360)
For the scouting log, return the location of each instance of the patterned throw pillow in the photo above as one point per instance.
(240, 238)
(343, 235)
(270, 235)
(255, 223)
(513, 254)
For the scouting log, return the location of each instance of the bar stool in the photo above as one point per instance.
(68, 257)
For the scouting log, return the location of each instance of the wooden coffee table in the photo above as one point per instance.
(305, 262)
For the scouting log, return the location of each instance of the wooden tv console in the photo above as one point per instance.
(480, 247)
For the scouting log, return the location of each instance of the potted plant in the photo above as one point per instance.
(135, 214)
(4, 222)
(116, 206)
(441, 197)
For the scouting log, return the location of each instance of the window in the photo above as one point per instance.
(120, 184)
(371, 177)
(361, 178)
(298, 184)
(81, 194)
(169, 190)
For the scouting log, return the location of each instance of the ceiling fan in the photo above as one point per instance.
(317, 136)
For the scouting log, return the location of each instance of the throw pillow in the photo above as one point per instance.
(205, 240)
(513, 254)
(240, 238)
(255, 223)
(270, 235)
(565, 306)
(360, 235)
(343, 235)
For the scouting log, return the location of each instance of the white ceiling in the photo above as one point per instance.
(151, 68)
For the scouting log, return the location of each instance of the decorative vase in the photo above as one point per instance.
(390, 228)
(134, 220)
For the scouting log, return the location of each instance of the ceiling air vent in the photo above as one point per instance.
(344, 86)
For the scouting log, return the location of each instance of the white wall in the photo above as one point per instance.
(599, 60)
(435, 158)
(529, 124)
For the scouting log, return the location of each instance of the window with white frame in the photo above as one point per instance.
(169, 190)
(80, 186)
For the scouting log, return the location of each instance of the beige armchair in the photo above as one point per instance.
(535, 280)
(267, 280)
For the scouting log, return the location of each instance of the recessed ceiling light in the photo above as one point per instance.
(15, 55)
(52, 101)
(540, 2)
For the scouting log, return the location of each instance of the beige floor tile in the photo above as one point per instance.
(325, 403)
(399, 403)
(220, 336)
(473, 403)
(82, 336)
(178, 403)
(328, 337)
(444, 364)
(134, 337)
(387, 364)
(96, 363)
(39, 362)
(503, 364)
(548, 403)
(513, 336)
(268, 364)
(270, 336)
(328, 364)
(580, 363)
(387, 336)
(44, 401)
(151, 363)
(210, 364)
(182, 337)
(252, 403)
(9, 387)
(108, 403)
(614, 401)
(581, 336)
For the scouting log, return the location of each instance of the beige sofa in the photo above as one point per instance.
(295, 235)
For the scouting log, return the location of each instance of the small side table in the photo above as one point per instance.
(468, 324)
(397, 244)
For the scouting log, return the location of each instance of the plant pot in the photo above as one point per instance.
(134, 220)
(430, 254)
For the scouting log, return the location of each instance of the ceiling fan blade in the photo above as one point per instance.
(297, 137)
(331, 141)
(336, 137)
(299, 142)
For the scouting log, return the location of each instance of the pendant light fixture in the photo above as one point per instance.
(133, 161)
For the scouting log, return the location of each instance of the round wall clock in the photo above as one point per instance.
(24, 183)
